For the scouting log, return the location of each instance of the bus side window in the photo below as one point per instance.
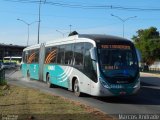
(51, 55)
(54, 54)
(68, 54)
(47, 51)
(28, 55)
(32, 56)
(78, 53)
(36, 56)
(60, 57)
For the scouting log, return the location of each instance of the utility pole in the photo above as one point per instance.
(70, 26)
(39, 20)
(28, 24)
(61, 33)
(123, 20)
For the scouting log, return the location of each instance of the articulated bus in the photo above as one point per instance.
(98, 65)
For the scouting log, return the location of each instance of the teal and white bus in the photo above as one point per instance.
(98, 65)
(16, 59)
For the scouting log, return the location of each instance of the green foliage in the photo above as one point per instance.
(2, 77)
(148, 42)
(3, 82)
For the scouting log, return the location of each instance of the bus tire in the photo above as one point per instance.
(50, 85)
(76, 89)
(28, 76)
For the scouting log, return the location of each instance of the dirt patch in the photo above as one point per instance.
(31, 104)
(4, 90)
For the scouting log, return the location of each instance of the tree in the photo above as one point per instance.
(148, 42)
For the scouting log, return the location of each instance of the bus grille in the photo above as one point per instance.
(120, 80)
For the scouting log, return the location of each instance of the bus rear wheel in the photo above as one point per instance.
(50, 85)
(76, 89)
(28, 76)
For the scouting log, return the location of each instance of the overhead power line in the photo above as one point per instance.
(62, 4)
(84, 6)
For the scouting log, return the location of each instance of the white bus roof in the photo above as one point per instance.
(32, 47)
(81, 38)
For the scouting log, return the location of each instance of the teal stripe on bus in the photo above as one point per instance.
(58, 75)
(34, 71)
(24, 70)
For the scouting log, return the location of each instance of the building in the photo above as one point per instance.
(155, 65)
(10, 50)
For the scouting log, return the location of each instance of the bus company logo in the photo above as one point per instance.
(51, 67)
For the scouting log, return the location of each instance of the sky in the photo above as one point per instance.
(84, 16)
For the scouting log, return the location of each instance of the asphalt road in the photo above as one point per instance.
(147, 101)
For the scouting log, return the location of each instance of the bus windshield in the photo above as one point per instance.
(118, 61)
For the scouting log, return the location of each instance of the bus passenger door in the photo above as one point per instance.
(90, 66)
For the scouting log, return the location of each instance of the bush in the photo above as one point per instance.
(3, 82)
(2, 77)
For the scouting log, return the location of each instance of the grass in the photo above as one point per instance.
(25, 103)
(3, 82)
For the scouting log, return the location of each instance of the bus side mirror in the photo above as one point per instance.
(138, 55)
(93, 54)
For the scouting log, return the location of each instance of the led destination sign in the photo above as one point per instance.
(115, 46)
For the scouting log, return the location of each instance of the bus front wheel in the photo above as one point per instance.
(76, 89)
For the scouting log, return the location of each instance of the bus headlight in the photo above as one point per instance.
(103, 83)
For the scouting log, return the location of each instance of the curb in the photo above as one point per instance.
(152, 74)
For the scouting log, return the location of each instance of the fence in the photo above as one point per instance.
(154, 70)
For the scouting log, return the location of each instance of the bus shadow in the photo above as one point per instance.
(148, 95)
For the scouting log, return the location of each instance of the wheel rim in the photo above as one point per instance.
(76, 88)
(28, 75)
(48, 79)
